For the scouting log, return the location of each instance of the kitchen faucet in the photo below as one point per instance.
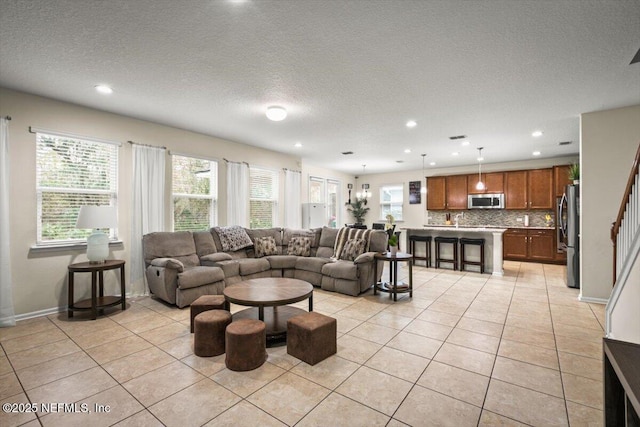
(460, 215)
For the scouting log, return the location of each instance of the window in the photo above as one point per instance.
(72, 172)
(333, 197)
(316, 190)
(195, 193)
(263, 197)
(326, 191)
(391, 201)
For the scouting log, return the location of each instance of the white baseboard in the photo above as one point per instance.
(40, 313)
(593, 300)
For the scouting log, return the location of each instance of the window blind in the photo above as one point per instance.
(263, 197)
(194, 189)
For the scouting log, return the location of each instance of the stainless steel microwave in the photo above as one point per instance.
(485, 201)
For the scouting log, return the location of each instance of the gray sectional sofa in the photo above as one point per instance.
(183, 265)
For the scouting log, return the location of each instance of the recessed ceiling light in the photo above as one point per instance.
(412, 124)
(276, 114)
(465, 143)
(297, 144)
(480, 158)
(537, 134)
(432, 163)
(407, 150)
(536, 153)
(455, 153)
(104, 89)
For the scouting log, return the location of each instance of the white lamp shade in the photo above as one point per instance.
(97, 217)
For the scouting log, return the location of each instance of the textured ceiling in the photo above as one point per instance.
(350, 73)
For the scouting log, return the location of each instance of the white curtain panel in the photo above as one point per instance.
(7, 314)
(148, 207)
(238, 194)
(292, 199)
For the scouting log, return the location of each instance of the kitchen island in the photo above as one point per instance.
(493, 242)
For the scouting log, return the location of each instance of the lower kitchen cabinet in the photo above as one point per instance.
(529, 245)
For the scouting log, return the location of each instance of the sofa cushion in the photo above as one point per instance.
(230, 268)
(216, 257)
(352, 249)
(170, 244)
(282, 261)
(311, 264)
(328, 237)
(264, 246)
(345, 234)
(204, 243)
(233, 238)
(253, 265)
(341, 270)
(300, 246)
(199, 276)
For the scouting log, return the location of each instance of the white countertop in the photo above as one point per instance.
(462, 229)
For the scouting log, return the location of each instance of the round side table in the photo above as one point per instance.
(97, 300)
(392, 286)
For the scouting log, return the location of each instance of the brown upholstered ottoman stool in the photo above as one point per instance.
(209, 332)
(246, 341)
(205, 303)
(311, 337)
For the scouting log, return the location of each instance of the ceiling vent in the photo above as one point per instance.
(453, 138)
(399, 161)
(346, 153)
(565, 143)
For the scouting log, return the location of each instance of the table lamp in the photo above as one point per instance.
(97, 217)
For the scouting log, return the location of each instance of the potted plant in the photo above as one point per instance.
(574, 173)
(358, 210)
(393, 244)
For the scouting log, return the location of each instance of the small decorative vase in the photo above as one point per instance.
(393, 250)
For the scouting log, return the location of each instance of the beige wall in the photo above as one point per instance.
(40, 277)
(608, 143)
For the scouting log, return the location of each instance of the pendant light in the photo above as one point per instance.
(480, 185)
(423, 187)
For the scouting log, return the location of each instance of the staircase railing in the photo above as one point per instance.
(625, 229)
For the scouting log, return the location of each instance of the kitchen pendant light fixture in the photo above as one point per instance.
(480, 185)
(423, 187)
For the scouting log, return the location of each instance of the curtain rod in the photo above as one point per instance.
(7, 117)
(291, 170)
(229, 161)
(35, 130)
(146, 145)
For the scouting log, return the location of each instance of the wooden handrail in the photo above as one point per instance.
(615, 228)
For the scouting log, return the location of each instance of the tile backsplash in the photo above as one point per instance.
(496, 217)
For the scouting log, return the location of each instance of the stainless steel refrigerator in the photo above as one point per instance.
(569, 232)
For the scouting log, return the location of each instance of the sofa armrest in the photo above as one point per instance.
(174, 264)
(364, 258)
(216, 257)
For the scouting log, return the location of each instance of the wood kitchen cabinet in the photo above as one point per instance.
(493, 182)
(561, 179)
(436, 193)
(529, 245)
(456, 189)
(530, 189)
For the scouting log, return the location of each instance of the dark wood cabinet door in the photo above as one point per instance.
(515, 244)
(457, 192)
(516, 190)
(561, 179)
(541, 245)
(493, 182)
(540, 184)
(436, 195)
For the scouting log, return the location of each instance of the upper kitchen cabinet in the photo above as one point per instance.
(493, 183)
(561, 178)
(515, 194)
(532, 189)
(436, 194)
(456, 186)
(540, 189)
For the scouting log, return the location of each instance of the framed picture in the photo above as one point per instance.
(414, 193)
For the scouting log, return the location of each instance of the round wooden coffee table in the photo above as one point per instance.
(271, 293)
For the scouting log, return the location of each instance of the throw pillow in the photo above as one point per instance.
(233, 238)
(352, 248)
(300, 246)
(265, 246)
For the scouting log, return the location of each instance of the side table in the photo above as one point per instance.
(392, 286)
(98, 300)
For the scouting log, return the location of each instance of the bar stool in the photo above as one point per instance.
(439, 259)
(463, 261)
(412, 246)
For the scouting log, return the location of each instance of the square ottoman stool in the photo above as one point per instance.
(311, 337)
(206, 303)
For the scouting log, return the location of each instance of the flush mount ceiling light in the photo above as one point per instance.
(480, 185)
(103, 89)
(297, 144)
(412, 124)
(423, 187)
(536, 153)
(455, 153)
(276, 114)
(432, 164)
(465, 143)
(407, 150)
(537, 134)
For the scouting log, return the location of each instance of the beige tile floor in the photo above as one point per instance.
(467, 350)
